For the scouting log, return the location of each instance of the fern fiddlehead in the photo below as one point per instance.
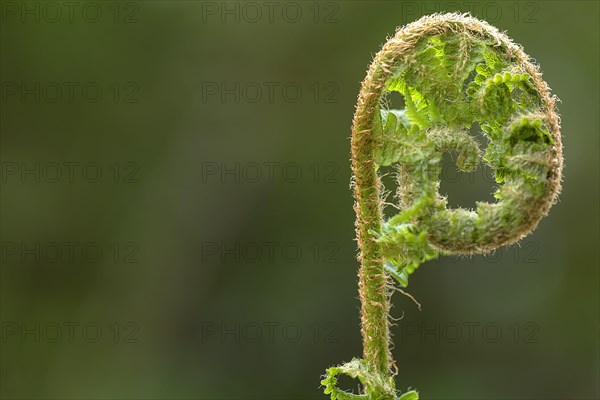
(453, 71)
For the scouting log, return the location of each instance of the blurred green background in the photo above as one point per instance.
(223, 215)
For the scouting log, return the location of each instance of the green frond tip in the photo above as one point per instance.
(405, 248)
(450, 81)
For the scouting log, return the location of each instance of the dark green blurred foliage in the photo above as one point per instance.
(162, 216)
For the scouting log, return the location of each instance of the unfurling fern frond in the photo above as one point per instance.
(453, 71)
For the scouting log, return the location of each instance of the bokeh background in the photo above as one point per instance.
(214, 255)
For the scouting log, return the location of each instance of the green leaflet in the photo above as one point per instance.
(378, 386)
(398, 140)
(412, 395)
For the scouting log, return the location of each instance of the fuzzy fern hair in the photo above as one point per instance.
(452, 70)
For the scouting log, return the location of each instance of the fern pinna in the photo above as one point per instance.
(453, 71)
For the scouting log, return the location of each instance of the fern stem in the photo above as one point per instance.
(373, 288)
